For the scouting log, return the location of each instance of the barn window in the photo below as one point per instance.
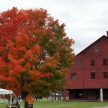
(93, 75)
(78, 63)
(92, 62)
(96, 50)
(105, 75)
(105, 62)
(73, 76)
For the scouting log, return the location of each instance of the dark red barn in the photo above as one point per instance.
(88, 78)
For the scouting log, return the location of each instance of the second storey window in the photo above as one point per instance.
(73, 76)
(105, 62)
(92, 62)
(105, 75)
(93, 75)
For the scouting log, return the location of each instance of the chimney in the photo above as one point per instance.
(107, 33)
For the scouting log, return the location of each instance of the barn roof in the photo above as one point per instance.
(83, 51)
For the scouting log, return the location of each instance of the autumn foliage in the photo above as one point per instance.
(35, 52)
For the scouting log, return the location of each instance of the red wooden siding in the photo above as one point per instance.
(97, 51)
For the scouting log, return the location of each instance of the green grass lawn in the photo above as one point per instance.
(2, 105)
(48, 104)
(62, 104)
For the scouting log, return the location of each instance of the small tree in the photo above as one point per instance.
(35, 53)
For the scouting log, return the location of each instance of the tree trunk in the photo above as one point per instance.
(25, 104)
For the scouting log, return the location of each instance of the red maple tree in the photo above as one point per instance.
(34, 51)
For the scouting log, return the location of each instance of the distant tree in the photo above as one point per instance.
(35, 53)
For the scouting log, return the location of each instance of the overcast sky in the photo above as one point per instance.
(86, 20)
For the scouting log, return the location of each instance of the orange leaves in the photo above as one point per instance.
(2, 63)
(10, 13)
(21, 48)
(34, 75)
(3, 78)
(15, 61)
(1, 49)
(27, 66)
(32, 54)
(36, 50)
(15, 66)
(29, 99)
(19, 40)
(37, 75)
(28, 54)
(9, 44)
(16, 70)
(49, 62)
(23, 39)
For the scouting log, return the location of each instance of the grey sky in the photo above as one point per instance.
(86, 20)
